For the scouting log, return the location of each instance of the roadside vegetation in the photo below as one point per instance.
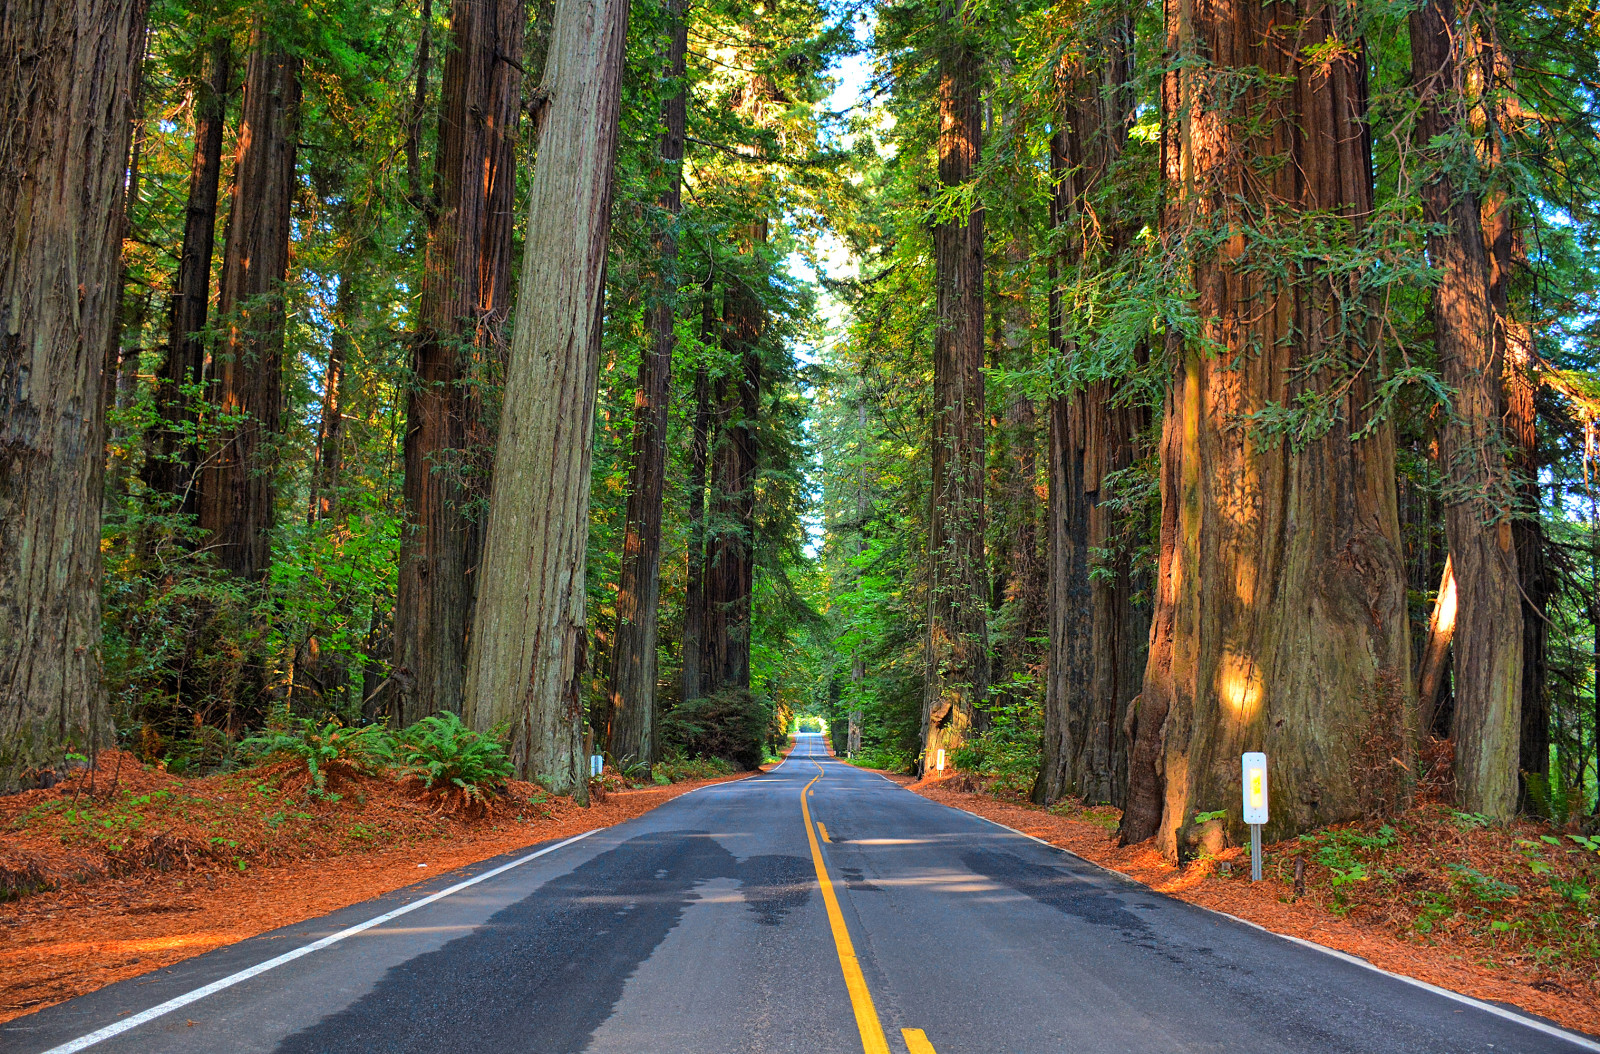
(302, 788)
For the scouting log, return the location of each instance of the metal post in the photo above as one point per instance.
(1255, 852)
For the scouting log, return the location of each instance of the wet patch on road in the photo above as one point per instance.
(542, 974)
(1058, 889)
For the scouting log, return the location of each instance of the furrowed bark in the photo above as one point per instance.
(1097, 635)
(330, 431)
(730, 535)
(526, 659)
(466, 294)
(694, 606)
(67, 74)
(236, 481)
(958, 660)
(1514, 348)
(1487, 650)
(1280, 620)
(170, 467)
(631, 725)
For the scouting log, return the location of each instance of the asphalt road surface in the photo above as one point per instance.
(813, 909)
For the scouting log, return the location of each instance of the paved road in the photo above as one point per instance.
(706, 927)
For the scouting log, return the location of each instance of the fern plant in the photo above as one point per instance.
(322, 748)
(444, 753)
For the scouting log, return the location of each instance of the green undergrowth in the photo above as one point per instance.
(1512, 894)
(886, 758)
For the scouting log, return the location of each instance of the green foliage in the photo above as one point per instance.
(808, 724)
(1349, 856)
(886, 758)
(324, 747)
(730, 725)
(680, 769)
(444, 753)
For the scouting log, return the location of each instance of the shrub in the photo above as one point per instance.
(444, 753)
(324, 749)
(730, 724)
(676, 770)
(886, 758)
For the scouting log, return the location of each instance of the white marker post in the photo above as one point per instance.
(597, 764)
(1255, 806)
(939, 763)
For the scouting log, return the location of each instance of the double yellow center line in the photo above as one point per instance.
(873, 1040)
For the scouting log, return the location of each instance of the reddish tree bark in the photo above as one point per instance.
(1097, 633)
(958, 647)
(169, 469)
(1487, 649)
(526, 659)
(630, 731)
(730, 535)
(694, 604)
(1280, 620)
(67, 74)
(466, 295)
(236, 482)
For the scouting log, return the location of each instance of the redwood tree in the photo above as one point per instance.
(1486, 650)
(1280, 618)
(729, 567)
(466, 293)
(526, 659)
(67, 73)
(630, 731)
(170, 467)
(958, 656)
(1097, 631)
(236, 482)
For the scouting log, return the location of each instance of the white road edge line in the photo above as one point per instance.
(214, 987)
(1548, 1029)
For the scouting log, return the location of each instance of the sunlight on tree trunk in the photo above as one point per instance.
(1486, 651)
(1280, 619)
(526, 660)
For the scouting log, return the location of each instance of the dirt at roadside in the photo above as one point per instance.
(152, 869)
(1358, 923)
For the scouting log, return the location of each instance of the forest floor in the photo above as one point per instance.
(1505, 913)
(144, 869)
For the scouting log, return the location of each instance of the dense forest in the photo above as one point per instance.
(1089, 390)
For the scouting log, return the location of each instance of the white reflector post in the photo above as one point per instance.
(1255, 788)
(597, 764)
(939, 764)
(1255, 806)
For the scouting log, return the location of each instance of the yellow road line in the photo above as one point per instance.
(822, 829)
(917, 1041)
(873, 1040)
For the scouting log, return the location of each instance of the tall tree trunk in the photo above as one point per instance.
(631, 720)
(67, 75)
(466, 293)
(958, 647)
(730, 541)
(236, 483)
(526, 659)
(1486, 654)
(1514, 348)
(1280, 618)
(1097, 634)
(694, 604)
(330, 430)
(170, 467)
